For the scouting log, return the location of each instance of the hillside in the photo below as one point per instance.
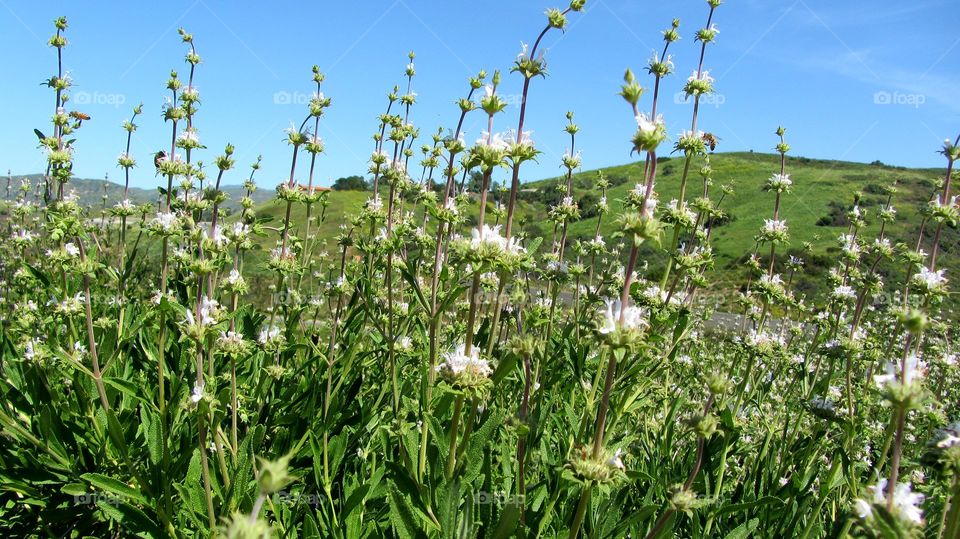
(90, 192)
(815, 211)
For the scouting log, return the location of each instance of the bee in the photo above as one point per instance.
(79, 116)
(158, 157)
(711, 140)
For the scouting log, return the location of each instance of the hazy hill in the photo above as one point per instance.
(90, 192)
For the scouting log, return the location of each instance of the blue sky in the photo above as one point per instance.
(850, 80)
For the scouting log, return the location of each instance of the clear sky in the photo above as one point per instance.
(852, 80)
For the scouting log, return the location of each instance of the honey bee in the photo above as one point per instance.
(79, 116)
(711, 140)
(158, 157)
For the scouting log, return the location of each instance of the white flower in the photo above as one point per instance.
(399, 165)
(863, 508)
(649, 125)
(234, 278)
(30, 350)
(524, 139)
(124, 204)
(219, 239)
(457, 362)
(525, 56)
(779, 181)
(165, 221)
(231, 338)
(189, 135)
(915, 370)
(23, 235)
(615, 461)
(905, 502)
(675, 205)
(451, 207)
(651, 205)
(633, 317)
(850, 244)
(239, 229)
(208, 311)
(763, 339)
(930, 280)
(71, 249)
(703, 76)
(689, 134)
(773, 226)
(487, 235)
(496, 141)
(523, 52)
(197, 394)
(844, 292)
(268, 335)
(774, 279)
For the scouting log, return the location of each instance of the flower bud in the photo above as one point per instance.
(274, 475)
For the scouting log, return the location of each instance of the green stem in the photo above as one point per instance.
(454, 427)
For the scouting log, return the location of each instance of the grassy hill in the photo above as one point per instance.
(815, 211)
(823, 192)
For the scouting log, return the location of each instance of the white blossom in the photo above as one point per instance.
(633, 317)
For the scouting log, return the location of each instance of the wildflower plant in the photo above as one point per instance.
(445, 364)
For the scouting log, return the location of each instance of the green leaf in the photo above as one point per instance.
(114, 486)
(744, 530)
(738, 507)
(508, 521)
(131, 519)
(74, 489)
(310, 530)
(154, 441)
(402, 516)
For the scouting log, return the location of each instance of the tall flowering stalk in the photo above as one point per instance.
(314, 147)
(123, 210)
(691, 142)
(447, 214)
(59, 154)
(531, 65)
(904, 389)
(396, 176)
